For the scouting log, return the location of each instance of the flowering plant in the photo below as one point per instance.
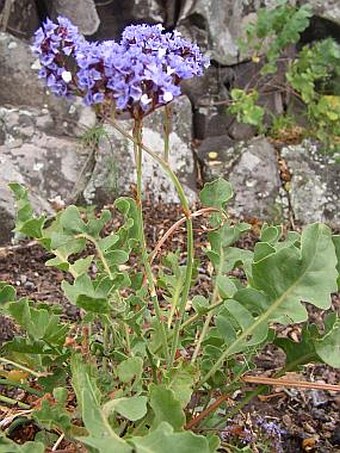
(149, 364)
(140, 73)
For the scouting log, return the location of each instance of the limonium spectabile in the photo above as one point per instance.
(139, 73)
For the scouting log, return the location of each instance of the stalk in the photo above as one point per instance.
(21, 367)
(190, 240)
(206, 325)
(138, 148)
(167, 129)
(13, 402)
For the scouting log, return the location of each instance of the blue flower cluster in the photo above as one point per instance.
(56, 45)
(140, 73)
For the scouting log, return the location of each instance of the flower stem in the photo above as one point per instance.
(13, 402)
(190, 239)
(167, 130)
(22, 367)
(206, 325)
(138, 148)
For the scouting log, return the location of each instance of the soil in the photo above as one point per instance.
(280, 420)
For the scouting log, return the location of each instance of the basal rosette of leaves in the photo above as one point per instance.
(140, 73)
(147, 354)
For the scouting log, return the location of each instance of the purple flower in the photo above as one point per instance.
(137, 75)
(55, 45)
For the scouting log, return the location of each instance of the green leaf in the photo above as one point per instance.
(26, 222)
(281, 281)
(290, 276)
(52, 416)
(216, 193)
(226, 286)
(336, 242)
(95, 225)
(82, 285)
(130, 369)
(133, 408)
(302, 352)
(233, 320)
(200, 304)
(93, 304)
(270, 233)
(7, 293)
(33, 227)
(166, 406)
(165, 440)
(108, 242)
(181, 380)
(82, 265)
(71, 221)
(117, 257)
(39, 323)
(328, 347)
(101, 435)
(7, 446)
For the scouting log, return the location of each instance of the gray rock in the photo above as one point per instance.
(17, 74)
(210, 24)
(23, 18)
(149, 11)
(48, 165)
(115, 173)
(315, 186)
(82, 13)
(252, 170)
(327, 9)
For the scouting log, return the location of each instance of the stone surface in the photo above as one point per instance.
(149, 11)
(23, 18)
(18, 79)
(253, 172)
(327, 9)
(82, 13)
(115, 173)
(48, 165)
(315, 184)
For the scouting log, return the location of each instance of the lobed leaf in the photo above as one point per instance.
(164, 440)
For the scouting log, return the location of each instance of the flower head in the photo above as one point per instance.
(55, 45)
(140, 73)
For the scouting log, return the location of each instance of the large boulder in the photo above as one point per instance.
(314, 187)
(252, 170)
(32, 155)
(326, 9)
(21, 18)
(82, 13)
(18, 79)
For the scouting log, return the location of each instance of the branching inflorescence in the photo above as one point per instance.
(140, 73)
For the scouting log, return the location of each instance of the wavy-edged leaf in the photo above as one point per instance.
(232, 321)
(328, 347)
(216, 193)
(8, 446)
(336, 242)
(39, 323)
(101, 435)
(26, 222)
(165, 440)
(133, 408)
(7, 293)
(166, 407)
(292, 275)
(281, 281)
